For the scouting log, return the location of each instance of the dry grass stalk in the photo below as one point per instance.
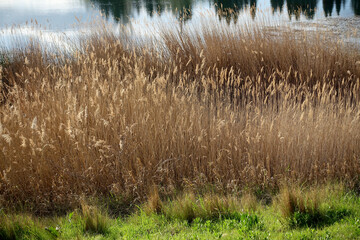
(228, 110)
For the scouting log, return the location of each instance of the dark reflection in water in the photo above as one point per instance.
(229, 9)
(226, 9)
(121, 10)
(328, 6)
(277, 5)
(356, 6)
(298, 7)
(181, 9)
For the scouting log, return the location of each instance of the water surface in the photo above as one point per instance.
(61, 15)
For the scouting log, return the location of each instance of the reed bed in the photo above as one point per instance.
(206, 109)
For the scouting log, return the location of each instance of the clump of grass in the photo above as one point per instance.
(154, 203)
(307, 208)
(299, 207)
(95, 221)
(249, 202)
(183, 208)
(14, 227)
(217, 207)
(208, 207)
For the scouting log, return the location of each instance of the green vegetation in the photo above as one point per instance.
(2, 59)
(335, 214)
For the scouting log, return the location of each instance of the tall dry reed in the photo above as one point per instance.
(218, 108)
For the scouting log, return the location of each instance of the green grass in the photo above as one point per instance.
(336, 216)
(3, 59)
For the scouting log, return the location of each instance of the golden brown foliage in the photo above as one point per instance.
(226, 109)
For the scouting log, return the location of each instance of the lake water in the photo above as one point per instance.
(61, 15)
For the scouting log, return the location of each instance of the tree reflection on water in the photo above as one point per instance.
(229, 10)
(356, 6)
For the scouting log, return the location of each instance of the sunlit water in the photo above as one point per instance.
(57, 18)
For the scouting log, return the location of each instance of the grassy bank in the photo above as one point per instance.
(317, 213)
(206, 110)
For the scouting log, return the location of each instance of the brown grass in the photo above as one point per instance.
(95, 221)
(295, 199)
(154, 204)
(308, 206)
(230, 110)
